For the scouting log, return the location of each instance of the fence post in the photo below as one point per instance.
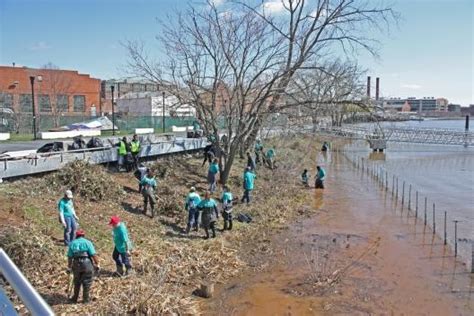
(393, 185)
(409, 198)
(434, 219)
(426, 207)
(416, 207)
(445, 224)
(456, 238)
(386, 180)
(396, 195)
(403, 195)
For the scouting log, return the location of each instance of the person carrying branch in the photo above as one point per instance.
(68, 217)
(82, 261)
(148, 187)
(210, 214)
(192, 201)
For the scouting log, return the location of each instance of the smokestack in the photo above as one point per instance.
(368, 87)
(377, 88)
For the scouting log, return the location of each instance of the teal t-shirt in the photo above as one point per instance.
(193, 199)
(249, 178)
(258, 146)
(214, 168)
(226, 197)
(321, 174)
(66, 207)
(121, 240)
(79, 245)
(148, 181)
(207, 203)
(270, 153)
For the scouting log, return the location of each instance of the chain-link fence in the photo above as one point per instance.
(22, 123)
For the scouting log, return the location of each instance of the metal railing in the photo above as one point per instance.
(25, 291)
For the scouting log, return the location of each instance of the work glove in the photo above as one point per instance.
(97, 269)
(68, 270)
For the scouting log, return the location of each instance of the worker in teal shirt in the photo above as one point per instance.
(226, 199)
(320, 176)
(192, 201)
(270, 157)
(148, 187)
(258, 151)
(122, 246)
(249, 178)
(68, 217)
(212, 175)
(210, 214)
(82, 259)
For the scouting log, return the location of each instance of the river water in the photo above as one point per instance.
(442, 173)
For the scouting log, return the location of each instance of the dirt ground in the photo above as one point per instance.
(358, 255)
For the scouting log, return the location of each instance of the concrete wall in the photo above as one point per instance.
(4, 136)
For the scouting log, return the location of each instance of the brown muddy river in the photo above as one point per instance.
(357, 255)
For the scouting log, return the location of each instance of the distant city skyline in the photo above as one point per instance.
(430, 53)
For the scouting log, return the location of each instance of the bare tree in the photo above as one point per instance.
(58, 84)
(235, 62)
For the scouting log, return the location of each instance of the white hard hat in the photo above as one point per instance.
(68, 194)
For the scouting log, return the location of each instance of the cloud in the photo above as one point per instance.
(41, 45)
(217, 2)
(274, 6)
(411, 86)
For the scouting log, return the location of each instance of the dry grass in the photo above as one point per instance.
(169, 265)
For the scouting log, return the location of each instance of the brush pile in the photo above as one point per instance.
(92, 182)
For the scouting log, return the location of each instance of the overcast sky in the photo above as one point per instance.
(429, 54)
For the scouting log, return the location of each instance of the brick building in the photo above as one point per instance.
(56, 91)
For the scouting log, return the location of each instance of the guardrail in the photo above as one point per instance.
(56, 160)
(25, 291)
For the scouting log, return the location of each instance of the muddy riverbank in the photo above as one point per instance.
(356, 255)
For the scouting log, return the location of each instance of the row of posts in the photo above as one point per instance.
(382, 176)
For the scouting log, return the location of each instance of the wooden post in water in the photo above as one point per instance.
(393, 186)
(416, 207)
(396, 196)
(426, 207)
(456, 238)
(403, 195)
(434, 219)
(472, 256)
(409, 198)
(445, 224)
(386, 180)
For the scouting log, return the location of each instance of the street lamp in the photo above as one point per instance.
(164, 108)
(112, 88)
(32, 81)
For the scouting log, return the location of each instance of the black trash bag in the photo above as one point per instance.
(244, 218)
(95, 142)
(77, 143)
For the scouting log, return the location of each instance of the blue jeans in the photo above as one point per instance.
(246, 196)
(121, 259)
(69, 230)
(193, 218)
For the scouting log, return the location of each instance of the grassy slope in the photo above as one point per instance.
(169, 265)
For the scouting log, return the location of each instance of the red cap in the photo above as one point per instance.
(114, 220)
(80, 232)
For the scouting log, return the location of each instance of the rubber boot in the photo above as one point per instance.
(230, 225)
(75, 296)
(85, 294)
(144, 209)
(213, 229)
(152, 207)
(207, 233)
(226, 225)
(129, 271)
(188, 228)
(119, 270)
